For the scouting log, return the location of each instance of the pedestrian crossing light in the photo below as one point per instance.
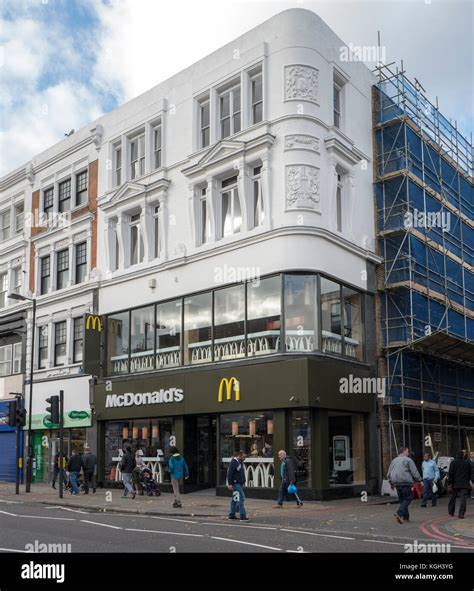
(20, 416)
(52, 411)
(12, 409)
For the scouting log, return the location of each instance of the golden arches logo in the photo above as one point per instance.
(94, 323)
(229, 385)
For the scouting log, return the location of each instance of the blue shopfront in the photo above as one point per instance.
(7, 446)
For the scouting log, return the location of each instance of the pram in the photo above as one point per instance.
(68, 484)
(148, 484)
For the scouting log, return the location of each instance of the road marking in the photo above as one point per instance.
(6, 513)
(239, 525)
(13, 550)
(11, 502)
(101, 524)
(170, 519)
(246, 543)
(68, 509)
(43, 517)
(308, 533)
(383, 542)
(171, 533)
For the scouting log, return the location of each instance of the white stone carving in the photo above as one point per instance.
(302, 187)
(302, 142)
(301, 83)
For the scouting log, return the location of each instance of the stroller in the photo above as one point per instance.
(148, 484)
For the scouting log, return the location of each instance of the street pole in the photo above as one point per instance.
(61, 426)
(30, 454)
(18, 456)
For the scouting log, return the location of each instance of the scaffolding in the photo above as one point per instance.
(424, 197)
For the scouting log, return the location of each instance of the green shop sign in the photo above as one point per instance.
(72, 418)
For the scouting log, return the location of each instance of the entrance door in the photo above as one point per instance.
(200, 450)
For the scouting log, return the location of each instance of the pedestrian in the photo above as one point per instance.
(139, 465)
(430, 472)
(236, 483)
(127, 464)
(459, 476)
(74, 467)
(90, 468)
(402, 474)
(59, 469)
(177, 468)
(267, 451)
(288, 477)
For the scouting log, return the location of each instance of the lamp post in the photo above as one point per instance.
(30, 455)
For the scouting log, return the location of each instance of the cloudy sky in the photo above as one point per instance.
(65, 62)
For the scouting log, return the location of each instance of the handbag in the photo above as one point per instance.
(292, 489)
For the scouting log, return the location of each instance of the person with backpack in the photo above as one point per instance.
(288, 480)
(177, 468)
(127, 465)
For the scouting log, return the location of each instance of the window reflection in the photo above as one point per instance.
(142, 339)
(229, 316)
(117, 342)
(301, 313)
(353, 335)
(197, 328)
(168, 334)
(263, 316)
(331, 316)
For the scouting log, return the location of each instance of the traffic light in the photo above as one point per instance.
(53, 410)
(12, 407)
(20, 417)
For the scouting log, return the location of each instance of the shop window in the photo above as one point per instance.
(229, 323)
(253, 434)
(331, 316)
(301, 313)
(301, 452)
(153, 436)
(117, 343)
(198, 328)
(168, 334)
(263, 316)
(346, 449)
(353, 326)
(142, 339)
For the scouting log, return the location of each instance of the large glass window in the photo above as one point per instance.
(253, 434)
(229, 323)
(117, 343)
(353, 327)
(263, 315)
(168, 334)
(197, 328)
(152, 436)
(331, 316)
(346, 449)
(60, 332)
(142, 339)
(301, 429)
(301, 313)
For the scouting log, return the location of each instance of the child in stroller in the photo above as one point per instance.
(148, 483)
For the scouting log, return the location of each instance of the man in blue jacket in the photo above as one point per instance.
(430, 476)
(235, 483)
(177, 468)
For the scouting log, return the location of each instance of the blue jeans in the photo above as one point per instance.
(284, 491)
(428, 491)
(237, 501)
(405, 498)
(127, 479)
(75, 487)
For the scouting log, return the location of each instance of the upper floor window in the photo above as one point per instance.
(5, 225)
(339, 204)
(81, 262)
(136, 240)
(64, 190)
(258, 213)
(156, 231)
(60, 332)
(338, 89)
(45, 272)
(117, 166)
(157, 146)
(17, 357)
(137, 156)
(62, 274)
(203, 216)
(231, 213)
(19, 217)
(16, 280)
(43, 347)
(78, 339)
(3, 289)
(230, 112)
(48, 200)
(257, 98)
(81, 188)
(8, 354)
(204, 123)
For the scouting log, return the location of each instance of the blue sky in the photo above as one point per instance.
(65, 62)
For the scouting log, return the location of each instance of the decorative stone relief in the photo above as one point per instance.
(179, 250)
(302, 187)
(302, 142)
(301, 83)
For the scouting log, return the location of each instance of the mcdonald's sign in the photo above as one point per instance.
(93, 323)
(229, 385)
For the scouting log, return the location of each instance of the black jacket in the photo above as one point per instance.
(289, 472)
(127, 463)
(90, 462)
(75, 463)
(236, 472)
(459, 473)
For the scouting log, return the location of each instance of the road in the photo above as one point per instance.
(285, 531)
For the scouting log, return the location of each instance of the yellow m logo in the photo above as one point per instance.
(94, 323)
(228, 385)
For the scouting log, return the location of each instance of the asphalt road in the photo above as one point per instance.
(286, 531)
